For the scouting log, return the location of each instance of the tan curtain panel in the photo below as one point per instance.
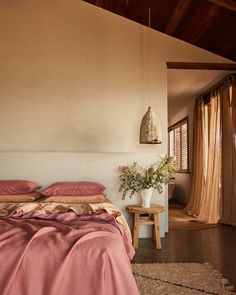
(193, 207)
(229, 152)
(213, 189)
(206, 195)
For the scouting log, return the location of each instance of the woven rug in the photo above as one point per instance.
(180, 279)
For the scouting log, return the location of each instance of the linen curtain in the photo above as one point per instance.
(206, 195)
(229, 152)
(213, 188)
(193, 207)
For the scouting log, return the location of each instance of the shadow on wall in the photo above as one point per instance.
(179, 195)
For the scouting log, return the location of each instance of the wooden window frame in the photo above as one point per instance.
(173, 127)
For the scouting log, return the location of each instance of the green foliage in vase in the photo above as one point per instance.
(135, 178)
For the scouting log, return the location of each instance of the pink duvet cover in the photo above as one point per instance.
(64, 254)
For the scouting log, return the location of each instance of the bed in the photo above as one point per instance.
(59, 249)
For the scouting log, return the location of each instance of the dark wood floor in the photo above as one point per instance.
(216, 246)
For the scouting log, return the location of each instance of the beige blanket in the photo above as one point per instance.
(82, 208)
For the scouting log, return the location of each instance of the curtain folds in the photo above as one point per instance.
(206, 194)
(229, 153)
(193, 207)
(213, 188)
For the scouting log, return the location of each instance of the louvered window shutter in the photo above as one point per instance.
(178, 144)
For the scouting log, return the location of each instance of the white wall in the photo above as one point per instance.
(74, 79)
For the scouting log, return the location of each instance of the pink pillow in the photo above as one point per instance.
(74, 189)
(17, 187)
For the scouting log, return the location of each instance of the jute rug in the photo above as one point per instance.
(179, 220)
(180, 279)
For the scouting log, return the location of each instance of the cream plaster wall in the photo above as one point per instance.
(73, 80)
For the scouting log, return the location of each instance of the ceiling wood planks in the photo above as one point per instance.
(176, 16)
(208, 24)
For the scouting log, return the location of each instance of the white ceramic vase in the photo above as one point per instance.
(146, 196)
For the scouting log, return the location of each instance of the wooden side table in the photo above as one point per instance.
(153, 212)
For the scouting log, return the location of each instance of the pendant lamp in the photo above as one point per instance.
(150, 130)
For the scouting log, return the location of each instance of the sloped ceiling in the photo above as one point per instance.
(208, 24)
(188, 84)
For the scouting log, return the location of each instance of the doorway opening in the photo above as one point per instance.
(186, 81)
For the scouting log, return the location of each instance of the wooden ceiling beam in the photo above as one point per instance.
(201, 66)
(176, 16)
(228, 4)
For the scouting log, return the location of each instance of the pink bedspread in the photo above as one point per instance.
(64, 254)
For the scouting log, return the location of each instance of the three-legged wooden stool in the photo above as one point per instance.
(153, 212)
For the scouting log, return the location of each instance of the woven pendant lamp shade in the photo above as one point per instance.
(150, 130)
